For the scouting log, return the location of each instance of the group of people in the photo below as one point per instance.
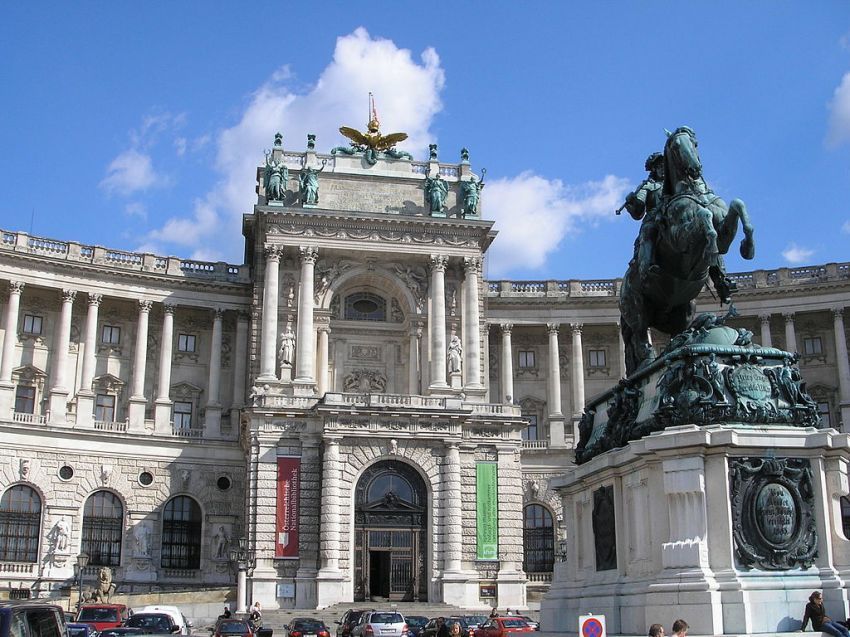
(680, 629)
(255, 616)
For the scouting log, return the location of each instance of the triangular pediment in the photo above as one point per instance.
(108, 382)
(29, 373)
(391, 503)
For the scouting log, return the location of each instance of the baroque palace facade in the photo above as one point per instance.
(355, 402)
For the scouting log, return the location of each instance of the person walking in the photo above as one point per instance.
(656, 630)
(256, 617)
(820, 620)
(680, 628)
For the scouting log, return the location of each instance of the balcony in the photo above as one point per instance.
(29, 419)
(535, 444)
(110, 425)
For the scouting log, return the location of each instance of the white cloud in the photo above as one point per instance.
(136, 209)
(180, 144)
(533, 215)
(795, 254)
(846, 227)
(839, 114)
(408, 97)
(132, 171)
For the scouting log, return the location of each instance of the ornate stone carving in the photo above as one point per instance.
(273, 252)
(95, 299)
(59, 537)
(16, 287)
(105, 473)
(308, 254)
(68, 296)
(365, 352)
(365, 381)
(286, 352)
(396, 313)
(24, 468)
(142, 540)
(220, 542)
(438, 262)
(416, 280)
(145, 306)
(327, 272)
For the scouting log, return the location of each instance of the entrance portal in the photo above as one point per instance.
(390, 532)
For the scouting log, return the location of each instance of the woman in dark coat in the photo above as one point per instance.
(820, 620)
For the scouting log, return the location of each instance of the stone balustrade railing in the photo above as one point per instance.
(535, 444)
(809, 275)
(136, 261)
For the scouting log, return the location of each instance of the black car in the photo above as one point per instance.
(307, 627)
(26, 617)
(121, 631)
(348, 621)
(431, 629)
(153, 623)
(415, 624)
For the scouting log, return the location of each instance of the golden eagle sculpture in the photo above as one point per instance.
(372, 141)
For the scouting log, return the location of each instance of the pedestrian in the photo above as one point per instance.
(820, 620)
(509, 612)
(256, 617)
(226, 614)
(680, 628)
(494, 613)
(442, 629)
(656, 630)
(454, 631)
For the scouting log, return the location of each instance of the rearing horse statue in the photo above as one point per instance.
(695, 228)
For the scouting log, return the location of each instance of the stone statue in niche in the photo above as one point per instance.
(396, 313)
(142, 540)
(59, 536)
(455, 355)
(24, 468)
(257, 393)
(287, 347)
(220, 543)
(105, 473)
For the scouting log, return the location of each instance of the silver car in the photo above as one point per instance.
(377, 623)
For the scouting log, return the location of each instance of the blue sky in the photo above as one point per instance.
(136, 126)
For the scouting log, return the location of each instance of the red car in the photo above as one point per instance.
(102, 616)
(502, 627)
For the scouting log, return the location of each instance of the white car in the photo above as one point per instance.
(176, 615)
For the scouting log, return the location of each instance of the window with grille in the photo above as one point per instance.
(20, 521)
(185, 342)
(365, 306)
(530, 432)
(538, 535)
(25, 399)
(182, 415)
(823, 412)
(32, 324)
(110, 335)
(526, 359)
(596, 357)
(104, 408)
(845, 516)
(103, 525)
(812, 346)
(181, 533)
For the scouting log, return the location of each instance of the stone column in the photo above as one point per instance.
(510, 578)
(578, 377)
(329, 578)
(507, 366)
(163, 403)
(486, 355)
(790, 333)
(438, 322)
(271, 292)
(59, 389)
(766, 339)
(556, 415)
(85, 397)
(240, 361)
(137, 393)
(472, 325)
(413, 358)
(322, 356)
(843, 368)
(11, 327)
(305, 339)
(453, 509)
(212, 422)
(310, 503)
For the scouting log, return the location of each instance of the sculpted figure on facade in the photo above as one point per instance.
(471, 191)
(142, 540)
(308, 183)
(416, 280)
(59, 536)
(455, 354)
(276, 177)
(220, 542)
(642, 204)
(436, 190)
(287, 347)
(24, 468)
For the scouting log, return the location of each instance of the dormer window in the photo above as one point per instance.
(365, 306)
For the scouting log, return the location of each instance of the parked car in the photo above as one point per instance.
(228, 627)
(415, 624)
(431, 629)
(348, 621)
(379, 623)
(102, 616)
(28, 617)
(175, 613)
(475, 621)
(307, 627)
(153, 623)
(121, 631)
(531, 622)
(502, 626)
(76, 629)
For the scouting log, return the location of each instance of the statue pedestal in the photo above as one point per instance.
(455, 381)
(674, 525)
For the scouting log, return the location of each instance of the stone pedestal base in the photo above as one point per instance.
(7, 400)
(455, 380)
(162, 417)
(305, 387)
(684, 509)
(58, 406)
(136, 414)
(305, 589)
(331, 588)
(511, 589)
(460, 589)
(212, 422)
(85, 409)
(557, 435)
(286, 374)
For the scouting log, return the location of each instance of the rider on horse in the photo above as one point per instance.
(643, 204)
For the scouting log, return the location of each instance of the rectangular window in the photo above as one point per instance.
(530, 432)
(32, 324)
(526, 359)
(823, 411)
(25, 399)
(596, 357)
(185, 342)
(104, 408)
(182, 415)
(812, 346)
(111, 335)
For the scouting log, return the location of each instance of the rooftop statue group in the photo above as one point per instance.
(685, 231)
(276, 175)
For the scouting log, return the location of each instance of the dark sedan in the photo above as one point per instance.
(415, 624)
(120, 632)
(153, 623)
(307, 627)
(232, 627)
(348, 621)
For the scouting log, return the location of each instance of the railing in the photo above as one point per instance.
(16, 567)
(535, 444)
(37, 244)
(111, 425)
(602, 287)
(187, 432)
(30, 419)
(493, 409)
(124, 258)
(298, 402)
(539, 578)
(528, 286)
(181, 573)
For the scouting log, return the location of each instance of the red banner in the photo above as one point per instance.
(288, 487)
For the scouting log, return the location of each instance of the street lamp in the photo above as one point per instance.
(82, 562)
(245, 561)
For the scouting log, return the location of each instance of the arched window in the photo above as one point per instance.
(365, 306)
(103, 527)
(181, 533)
(20, 521)
(845, 516)
(538, 538)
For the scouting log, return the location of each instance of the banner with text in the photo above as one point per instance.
(288, 488)
(487, 510)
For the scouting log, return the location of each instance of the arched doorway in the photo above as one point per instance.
(390, 534)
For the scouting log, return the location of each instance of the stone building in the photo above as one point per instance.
(354, 406)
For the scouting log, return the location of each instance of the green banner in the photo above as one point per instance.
(487, 510)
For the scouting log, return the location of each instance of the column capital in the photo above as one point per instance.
(576, 327)
(506, 327)
(323, 327)
(764, 318)
(218, 313)
(472, 265)
(145, 306)
(168, 308)
(438, 262)
(452, 445)
(838, 313)
(308, 254)
(273, 252)
(68, 296)
(553, 328)
(16, 287)
(788, 316)
(95, 299)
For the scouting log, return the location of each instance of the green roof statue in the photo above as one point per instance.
(471, 191)
(436, 190)
(308, 183)
(276, 177)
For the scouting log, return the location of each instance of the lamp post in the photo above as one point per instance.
(245, 561)
(82, 562)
